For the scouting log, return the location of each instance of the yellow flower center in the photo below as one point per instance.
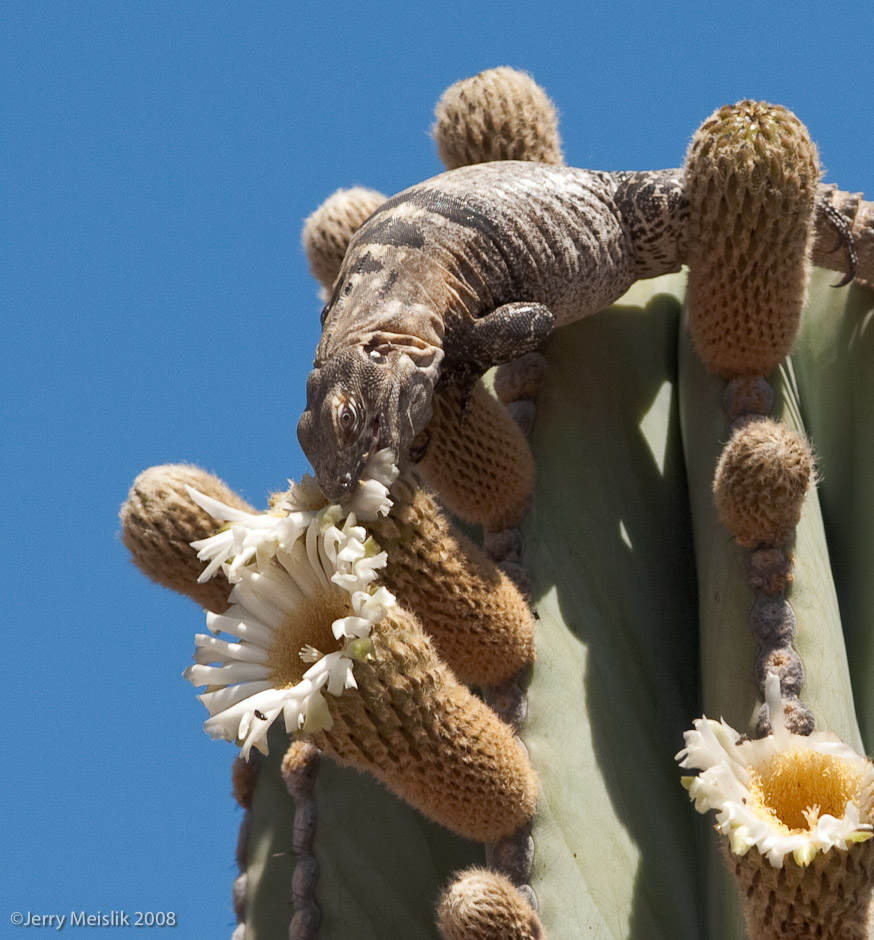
(309, 624)
(795, 788)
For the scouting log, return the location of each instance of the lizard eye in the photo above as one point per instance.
(377, 357)
(347, 417)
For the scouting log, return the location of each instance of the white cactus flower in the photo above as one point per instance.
(784, 794)
(303, 580)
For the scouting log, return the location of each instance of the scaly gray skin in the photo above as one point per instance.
(462, 272)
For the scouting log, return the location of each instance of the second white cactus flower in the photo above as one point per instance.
(784, 794)
(796, 813)
(302, 582)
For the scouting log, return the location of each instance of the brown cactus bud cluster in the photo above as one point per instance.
(752, 177)
(477, 458)
(484, 905)
(761, 481)
(159, 522)
(500, 114)
(482, 626)
(413, 726)
(327, 232)
(762, 478)
(497, 115)
(752, 180)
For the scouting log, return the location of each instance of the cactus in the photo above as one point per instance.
(645, 549)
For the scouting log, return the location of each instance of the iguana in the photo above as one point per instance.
(468, 270)
(464, 271)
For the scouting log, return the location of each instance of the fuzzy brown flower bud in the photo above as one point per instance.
(762, 477)
(327, 232)
(752, 177)
(414, 727)
(484, 905)
(159, 520)
(499, 114)
(481, 625)
(477, 458)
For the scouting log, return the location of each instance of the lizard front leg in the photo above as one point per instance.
(508, 332)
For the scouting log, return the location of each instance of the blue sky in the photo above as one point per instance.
(158, 161)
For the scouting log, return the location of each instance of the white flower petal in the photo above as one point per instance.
(296, 565)
(212, 567)
(219, 510)
(236, 622)
(236, 718)
(316, 716)
(229, 695)
(210, 649)
(226, 674)
(250, 593)
(372, 499)
(332, 540)
(351, 628)
(373, 606)
(313, 544)
(341, 677)
(279, 589)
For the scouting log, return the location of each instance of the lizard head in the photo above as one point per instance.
(360, 401)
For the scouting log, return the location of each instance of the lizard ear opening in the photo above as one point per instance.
(385, 346)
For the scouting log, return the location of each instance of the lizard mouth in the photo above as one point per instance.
(345, 485)
(379, 440)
